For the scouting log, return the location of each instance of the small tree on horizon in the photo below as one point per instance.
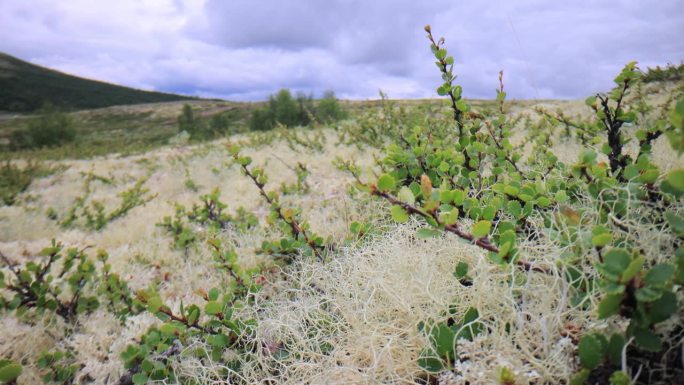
(186, 120)
(329, 109)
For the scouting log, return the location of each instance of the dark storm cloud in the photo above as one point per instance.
(245, 50)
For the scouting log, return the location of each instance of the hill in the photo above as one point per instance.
(25, 87)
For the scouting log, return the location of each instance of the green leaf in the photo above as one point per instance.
(609, 305)
(616, 260)
(459, 197)
(219, 340)
(489, 213)
(461, 270)
(620, 378)
(601, 240)
(244, 161)
(580, 378)
(543, 202)
(561, 196)
(676, 222)
(481, 229)
(648, 294)
(430, 362)
(649, 176)
(399, 215)
(147, 366)
(140, 378)
(154, 304)
(504, 249)
(9, 371)
(676, 179)
(193, 314)
(511, 190)
(426, 233)
(449, 217)
(617, 342)
(470, 315)
(169, 329)
(386, 182)
(663, 308)
(514, 208)
(443, 339)
(647, 340)
(462, 106)
(612, 287)
(590, 351)
(213, 307)
(213, 294)
(457, 91)
(588, 157)
(590, 101)
(406, 195)
(632, 269)
(659, 275)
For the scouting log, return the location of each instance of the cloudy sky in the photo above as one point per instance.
(245, 50)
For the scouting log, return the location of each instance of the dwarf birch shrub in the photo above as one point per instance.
(49, 128)
(469, 180)
(15, 179)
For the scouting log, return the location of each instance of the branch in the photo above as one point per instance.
(9, 264)
(500, 147)
(483, 242)
(294, 226)
(443, 67)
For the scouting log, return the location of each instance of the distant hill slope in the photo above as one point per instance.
(25, 87)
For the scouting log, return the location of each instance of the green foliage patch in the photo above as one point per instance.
(284, 109)
(16, 179)
(472, 173)
(50, 128)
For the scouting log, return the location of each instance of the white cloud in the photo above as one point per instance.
(245, 50)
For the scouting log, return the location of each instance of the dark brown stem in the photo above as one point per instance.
(458, 115)
(483, 242)
(9, 265)
(295, 228)
(500, 147)
(240, 282)
(443, 66)
(612, 125)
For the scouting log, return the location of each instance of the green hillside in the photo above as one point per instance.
(25, 87)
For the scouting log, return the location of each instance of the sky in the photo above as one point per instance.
(246, 50)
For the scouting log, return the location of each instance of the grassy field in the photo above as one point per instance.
(138, 128)
(364, 305)
(119, 129)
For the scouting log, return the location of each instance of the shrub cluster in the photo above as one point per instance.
(15, 179)
(199, 128)
(658, 73)
(284, 109)
(471, 173)
(50, 128)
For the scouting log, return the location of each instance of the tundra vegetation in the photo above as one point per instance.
(450, 243)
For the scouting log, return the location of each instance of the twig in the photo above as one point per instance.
(483, 242)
